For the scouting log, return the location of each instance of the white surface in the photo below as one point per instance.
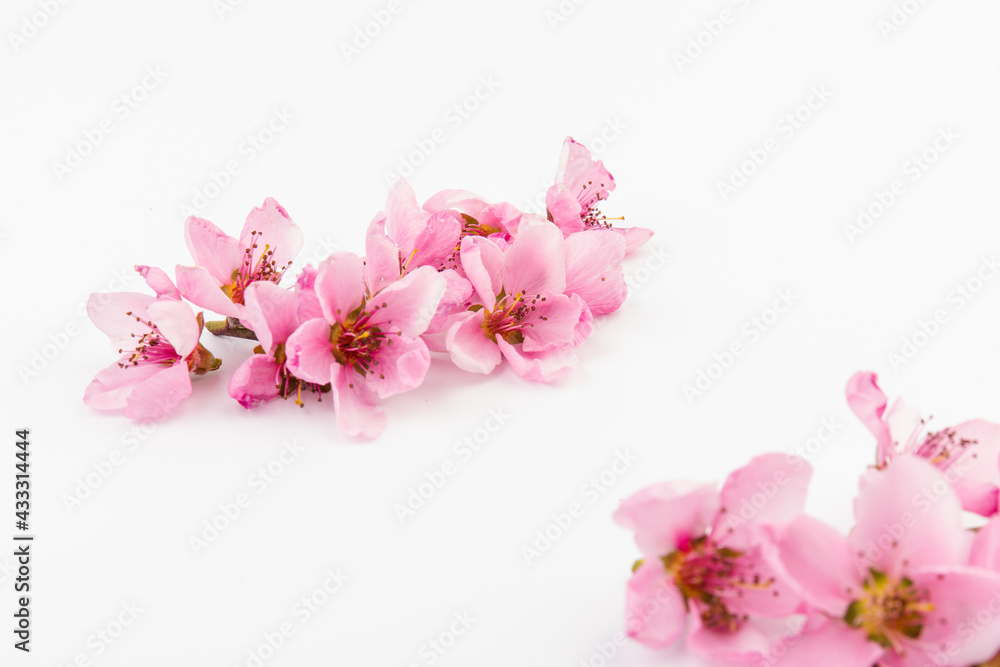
(609, 65)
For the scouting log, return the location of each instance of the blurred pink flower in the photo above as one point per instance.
(968, 454)
(706, 556)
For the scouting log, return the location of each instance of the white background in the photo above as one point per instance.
(671, 134)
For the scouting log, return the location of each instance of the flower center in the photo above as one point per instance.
(889, 611)
(507, 317)
(356, 343)
(472, 227)
(254, 270)
(709, 576)
(943, 447)
(150, 347)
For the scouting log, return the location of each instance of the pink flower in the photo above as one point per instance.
(706, 556)
(366, 346)
(273, 314)
(519, 310)
(159, 348)
(574, 201)
(968, 454)
(478, 217)
(900, 582)
(226, 266)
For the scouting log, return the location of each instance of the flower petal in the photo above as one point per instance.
(635, 237)
(665, 517)
(654, 608)
(546, 366)
(381, 258)
(965, 620)
(401, 365)
(159, 282)
(594, 269)
(483, 262)
(908, 514)
(177, 323)
(159, 395)
(552, 322)
(820, 562)
(356, 405)
(213, 249)
(310, 352)
(404, 219)
(436, 243)
(409, 304)
(255, 381)
(199, 287)
(271, 312)
(469, 347)
(986, 546)
(275, 230)
(868, 402)
(826, 643)
(535, 263)
(340, 285)
(564, 210)
(754, 639)
(115, 314)
(110, 388)
(973, 465)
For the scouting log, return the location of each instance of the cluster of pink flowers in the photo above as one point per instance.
(755, 581)
(479, 281)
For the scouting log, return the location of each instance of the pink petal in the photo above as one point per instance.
(199, 287)
(255, 381)
(271, 312)
(820, 561)
(356, 405)
(483, 262)
(965, 619)
(159, 395)
(868, 402)
(177, 323)
(974, 465)
(908, 513)
(594, 269)
(535, 263)
(771, 489)
(551, 323)
(584, 327)
(404, 219)
(213, 249)
(564, 210)
(826, 643)
(305, 288)
(469, 347)
(310, 352)
(635, 237)
(436, 243)
(779, 598)
(666, 517)
(503, 216)
(654, 608)
(109, 311)
(275, 230)
(581, 174)
(340, 285)
(986, 546)
(401, 366)
(461, 201)
(381, 258)
(110, 388)
(747, 646)
(409, 304)
(159, 282)
(546, 366)
(455, 300)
